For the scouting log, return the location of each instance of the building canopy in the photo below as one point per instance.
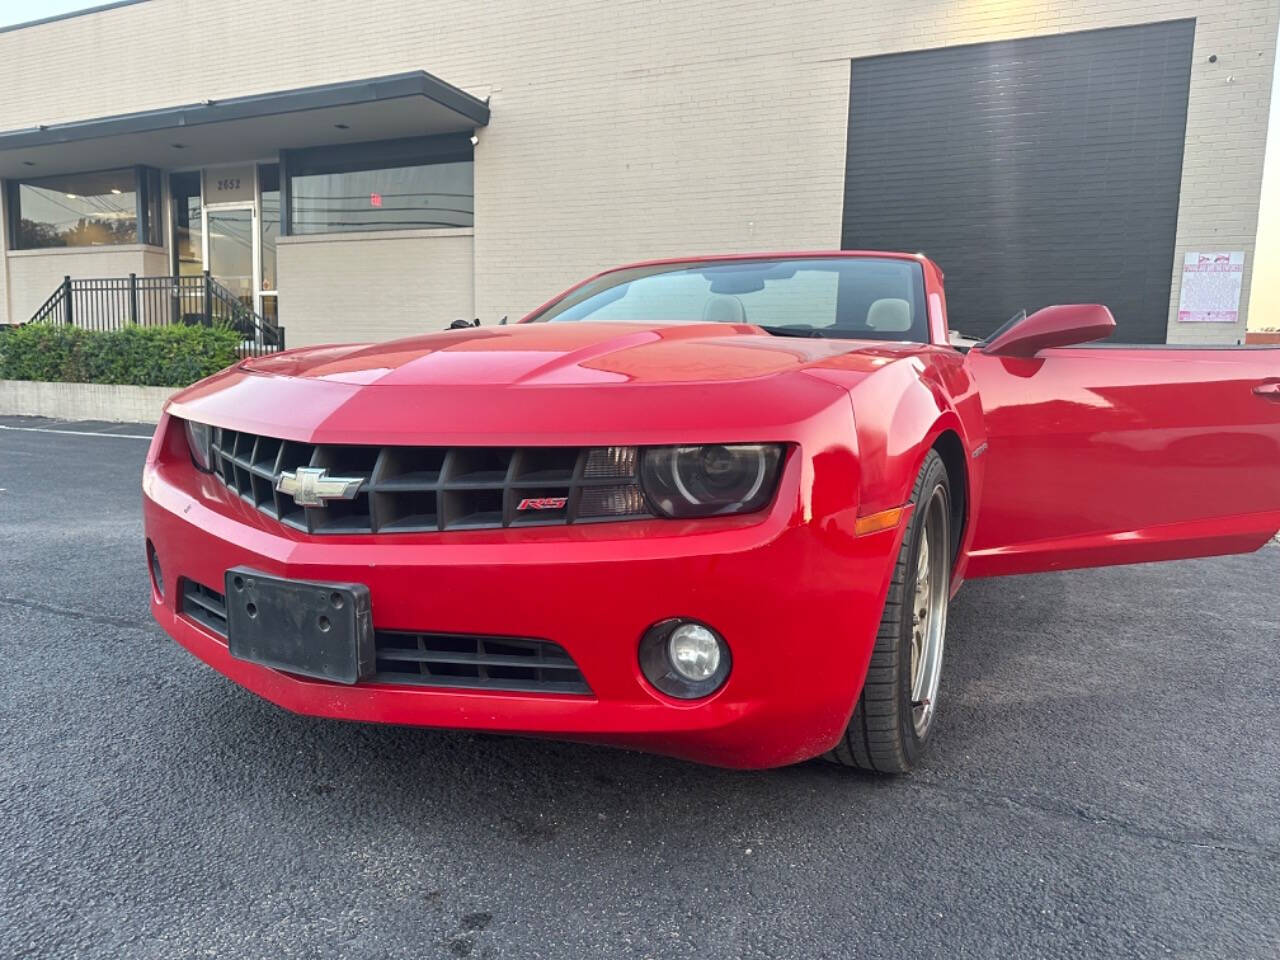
(381, 108)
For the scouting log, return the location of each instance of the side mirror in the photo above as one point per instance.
(1058, 326)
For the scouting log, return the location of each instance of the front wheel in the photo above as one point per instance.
(894, 715)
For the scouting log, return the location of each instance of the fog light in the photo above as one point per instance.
(694, 651)
(157, 575)
(684, 658)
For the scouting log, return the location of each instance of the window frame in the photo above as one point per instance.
(150, 178)
(259, 192)
(146, 232)
(173, 216)
(368, 155)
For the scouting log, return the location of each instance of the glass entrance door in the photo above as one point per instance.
(231, 241)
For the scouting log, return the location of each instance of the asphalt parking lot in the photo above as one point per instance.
(1105, 781)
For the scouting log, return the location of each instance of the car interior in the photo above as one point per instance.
(857, 298)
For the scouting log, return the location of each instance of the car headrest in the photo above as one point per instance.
(890, 315)
(724, 309)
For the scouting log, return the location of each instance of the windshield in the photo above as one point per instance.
(854, 297)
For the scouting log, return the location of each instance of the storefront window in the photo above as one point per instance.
(152, 207)
(269, 182)
(86, 209)
(269, 308)
(402, 185)
(188, 240)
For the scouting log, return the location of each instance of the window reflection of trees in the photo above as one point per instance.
(83, 233)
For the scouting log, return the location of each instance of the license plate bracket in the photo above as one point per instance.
(311, 628)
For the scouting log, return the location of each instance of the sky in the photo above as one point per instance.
(20, 11)
(1264, 297)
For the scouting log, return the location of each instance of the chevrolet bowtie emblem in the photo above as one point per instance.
(312, 486)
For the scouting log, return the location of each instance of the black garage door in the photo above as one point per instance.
(1034, 171)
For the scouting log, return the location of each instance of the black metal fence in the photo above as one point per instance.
(116, 302)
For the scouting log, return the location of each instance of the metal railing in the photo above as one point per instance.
(116, 302)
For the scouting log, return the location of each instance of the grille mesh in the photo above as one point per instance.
(486, 663)
(418, 489)
(465, 661)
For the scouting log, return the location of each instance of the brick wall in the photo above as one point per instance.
(338, 288)
(34, 275)
(635, 128)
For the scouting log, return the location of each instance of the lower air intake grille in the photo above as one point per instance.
(477, 663)
(206, 607)
(456, 660)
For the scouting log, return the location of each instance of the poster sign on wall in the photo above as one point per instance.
(1211, 285)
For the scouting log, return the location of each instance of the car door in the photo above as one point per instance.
(1102, 455)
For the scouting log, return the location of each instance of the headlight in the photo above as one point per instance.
(199, 441)
(709, 480)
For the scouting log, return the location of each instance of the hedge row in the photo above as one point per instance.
(172, 356)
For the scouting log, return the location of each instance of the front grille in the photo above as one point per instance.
(416, 489)
(457, 660)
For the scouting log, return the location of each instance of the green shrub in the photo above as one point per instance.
(172, 356)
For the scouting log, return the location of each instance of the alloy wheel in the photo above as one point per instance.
(929, 609)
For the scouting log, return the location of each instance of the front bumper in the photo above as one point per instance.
(797, 597)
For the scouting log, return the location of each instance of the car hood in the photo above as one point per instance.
(571, 353)
(559, 383)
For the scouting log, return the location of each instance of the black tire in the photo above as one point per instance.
(882, 735)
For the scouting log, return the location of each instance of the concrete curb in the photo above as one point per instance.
(83, 401)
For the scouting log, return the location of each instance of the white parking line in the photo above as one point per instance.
(78, 433)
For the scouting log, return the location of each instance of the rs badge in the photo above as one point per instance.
(542, 503)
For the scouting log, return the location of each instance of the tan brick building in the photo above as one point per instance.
(365, 171)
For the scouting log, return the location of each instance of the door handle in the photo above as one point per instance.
(1268, 391)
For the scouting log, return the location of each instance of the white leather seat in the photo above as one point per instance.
(724, 309)
(889, 315)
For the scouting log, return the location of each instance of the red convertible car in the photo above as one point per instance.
(712, 507)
